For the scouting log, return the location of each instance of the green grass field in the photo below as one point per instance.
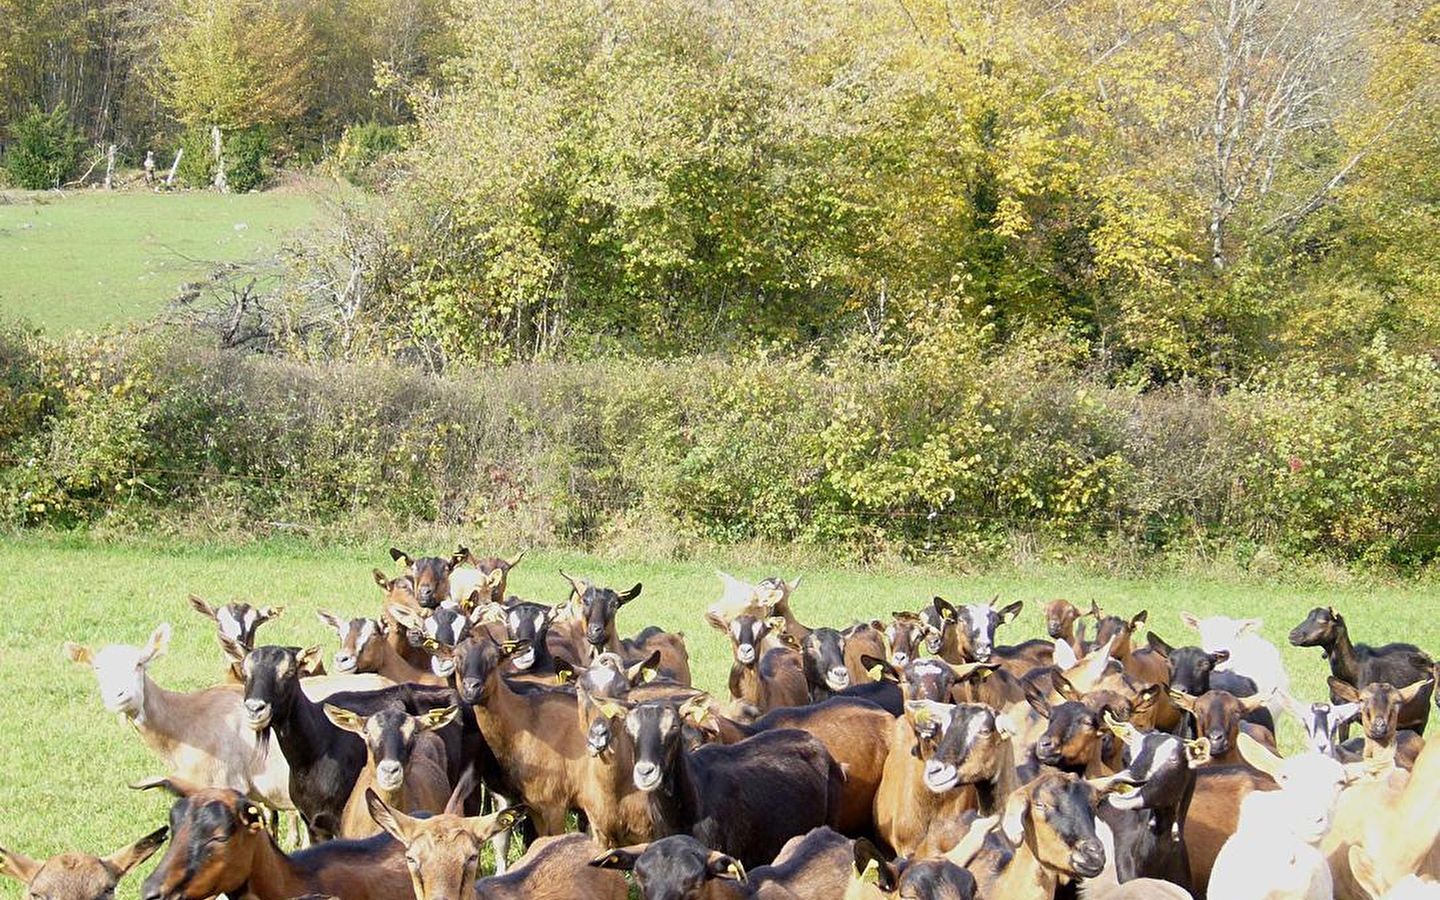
(66, 761)
(90, 260)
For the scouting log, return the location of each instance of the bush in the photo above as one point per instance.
(363, 146)
(935, 449)
(246, 154)
(44, 149)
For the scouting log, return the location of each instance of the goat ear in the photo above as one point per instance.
(1037, 700)
(1064, 656)
(202, 607)
(1139, 619)
(179, 787)
(514, 561)
(122, 861)
(622, 858)
(458, 557)
(250, 815)
(627, 596)
(1008, 613)
(344, 718)
(234, 651)
(1251, 703)
(1182, 700)
(879, 669)
(510, 648)
(78, 653)
(716, 621)
(400, 556)
(310, 660)
(944, 608)
(1065, 689)
(977, 670)
(495, 576)
(1012, 822)
(406, 616)
(1198, 751)
(381, 580)
(437, 718)
(332, 622)
(1157, 643)
(1367, 873)
(643, 672)
(510, 816)
(158, 643)
(872, 866)
(271, 612)
(1258, 755)
(1219, 656)
(721, 865)
(1190, 621)
(18, 866)
(397, 824)
(455, 806)
(1248, 626)
(1343, 690)
(696, 709)
(1410, 692)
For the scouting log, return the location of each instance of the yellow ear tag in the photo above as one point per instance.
(647, 675)
(564, 676)
(922, 717)
(876, 672)
(871, 875)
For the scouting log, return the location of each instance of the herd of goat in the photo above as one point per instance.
(912, 756)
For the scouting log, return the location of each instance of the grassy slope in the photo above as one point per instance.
(66, 761)
(88, 260)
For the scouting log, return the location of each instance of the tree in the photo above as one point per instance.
(234, 64)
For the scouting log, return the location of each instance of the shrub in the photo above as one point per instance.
(362, 146)
(246, 154)
(44, 149)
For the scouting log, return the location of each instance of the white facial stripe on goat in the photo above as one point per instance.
(735, 629)
(602, 677)
(926, 667)
(512, 621)
(1161, 757)
(539, 621)
(978, 616)
(367, 631)
(229, 626)
(972, 732)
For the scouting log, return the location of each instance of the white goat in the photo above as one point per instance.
(201, 736)
(1250, 655)
(1274, 853)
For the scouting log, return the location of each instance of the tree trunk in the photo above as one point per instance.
(110, 168)
(220, 183)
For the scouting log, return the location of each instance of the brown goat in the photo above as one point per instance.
(1380, 708)
(1220, 718)
(443, 851)
(762, 680)
(1214, 815)
(488, 575)
(1051, 823)
(239, 622)
(906, 810)
(219, 845)
(556, 868)
(364, 648)
(78, 876)
(406, 765)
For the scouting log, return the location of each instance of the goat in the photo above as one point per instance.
(239, 622)
(404, 762)
(530, 729)
(364, 649)
(1148, 822)
(599, 607)
(1381, 705)
(1219, 718)
(442, 851)
(905, 636)
(822, 653)
(873, 877)
(488, 575)
(555, 868)
(201, 736)
(1369, 880)
(325, 760)
(856, 733)
(762, 681)
(810, 867)
(1195, 672)
(745, 799)
(530, 622)
(1214, 814)
(1073, 739)
(1061, 617)
(78, 876)
(219, 845)
(1050, 821)
(1248, 654)
(967, 634)
(1274, 853)
(430, 576)
(1324, 723)
(1360, 664)
(920, 798)
(444, 627)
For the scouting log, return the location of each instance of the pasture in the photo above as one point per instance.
(66, 761)
(91, 260)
